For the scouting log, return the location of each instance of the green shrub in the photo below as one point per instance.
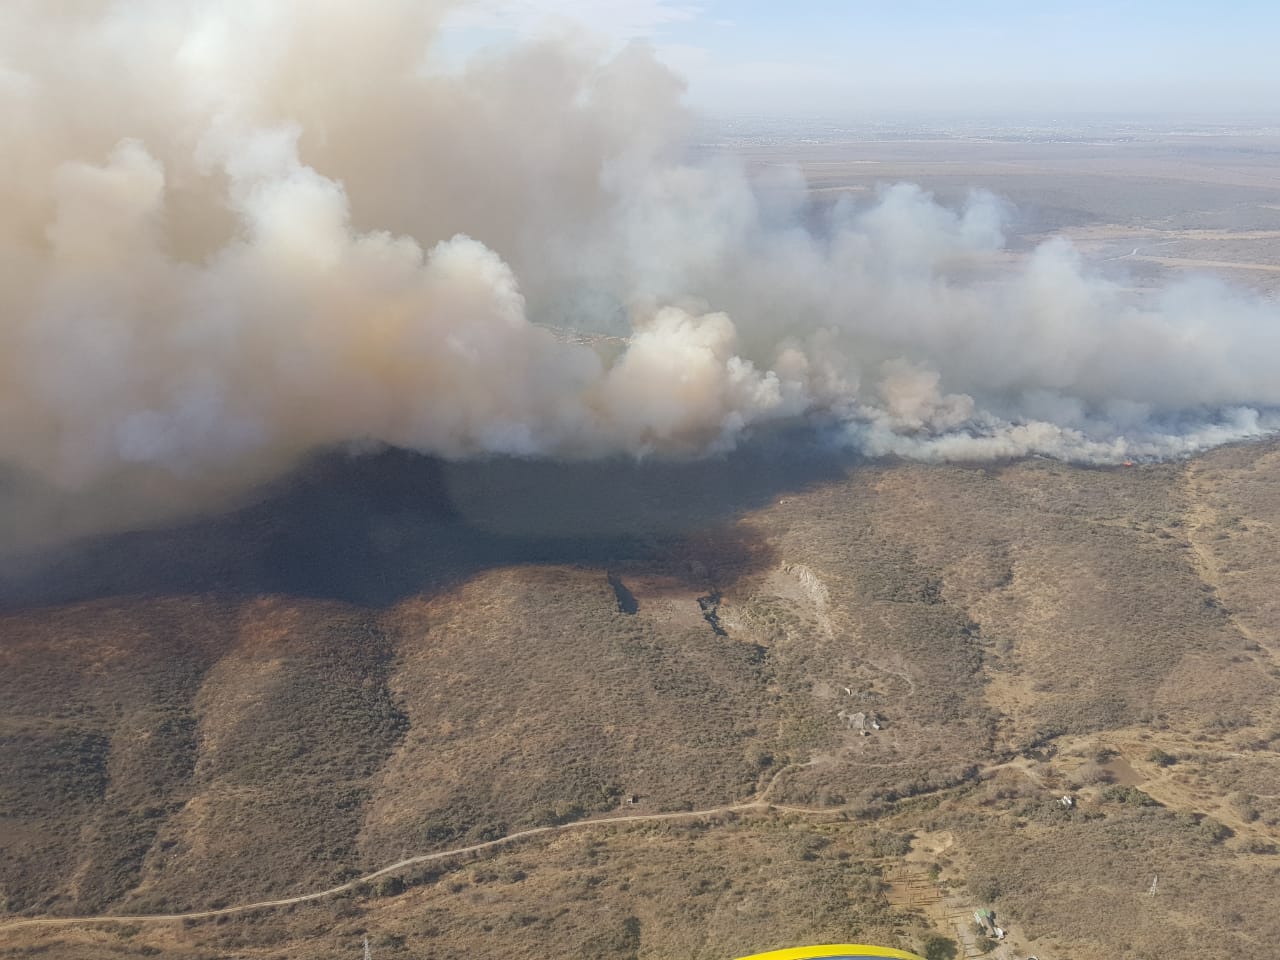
(1214, 831)
(938, 947)
(1131, 796)
(985, 889)
(885, 843)
(1161, 758)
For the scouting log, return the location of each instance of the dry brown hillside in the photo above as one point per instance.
(902, 666)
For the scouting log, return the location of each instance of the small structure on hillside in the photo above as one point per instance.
(861, 721)
(986, 922)
(854, 720)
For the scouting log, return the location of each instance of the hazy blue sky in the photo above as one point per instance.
(981, 56)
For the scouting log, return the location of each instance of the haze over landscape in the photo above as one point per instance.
(236, 235)
(817, 443)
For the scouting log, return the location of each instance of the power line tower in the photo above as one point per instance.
(368, 955)
(1151, 891)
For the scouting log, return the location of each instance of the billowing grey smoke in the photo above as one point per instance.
(231, 233)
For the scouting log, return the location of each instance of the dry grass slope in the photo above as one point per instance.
(1017, 632)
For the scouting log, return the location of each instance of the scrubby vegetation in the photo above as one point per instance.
(1037, 675)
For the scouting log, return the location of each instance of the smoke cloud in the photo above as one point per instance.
(233, 233)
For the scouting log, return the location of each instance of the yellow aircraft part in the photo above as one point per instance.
(832, 951)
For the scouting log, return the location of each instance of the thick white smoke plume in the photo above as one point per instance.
(232, 233)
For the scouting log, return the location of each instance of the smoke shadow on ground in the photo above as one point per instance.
(375, 528)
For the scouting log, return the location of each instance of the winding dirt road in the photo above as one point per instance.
(756, 805)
